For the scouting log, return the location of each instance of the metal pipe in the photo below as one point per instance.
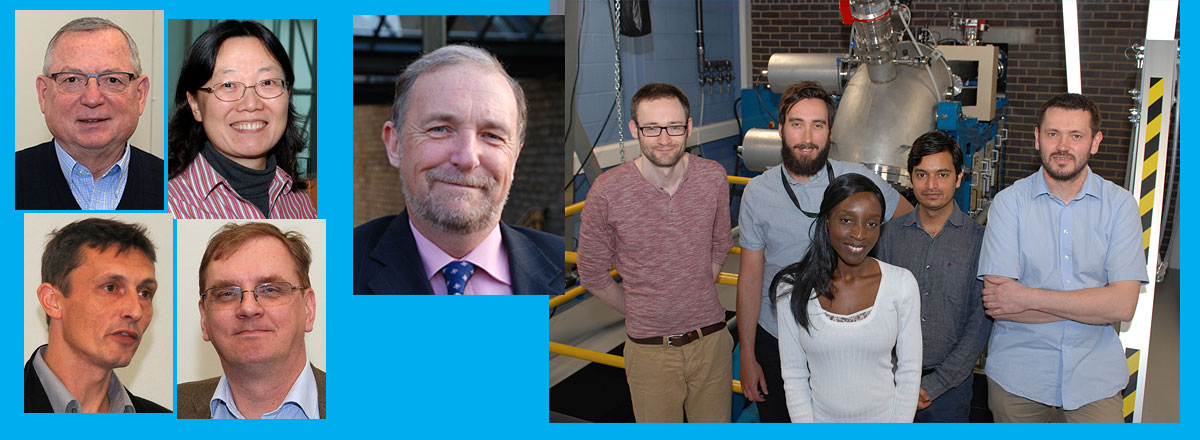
(873, 26)
(700, 38)
(611, 360)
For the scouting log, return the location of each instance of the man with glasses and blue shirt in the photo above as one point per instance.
(663, 219)
(256, 304)
(92, 92)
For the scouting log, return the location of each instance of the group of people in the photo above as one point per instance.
(458, 122)
(852, 306)
(457, 129)
(256, 303)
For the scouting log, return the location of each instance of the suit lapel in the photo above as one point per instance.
(402, 271)
(532, 272)
(35, 395)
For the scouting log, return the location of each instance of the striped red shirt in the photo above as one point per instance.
(199, 192)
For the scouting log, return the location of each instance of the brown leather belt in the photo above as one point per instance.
(681, 339)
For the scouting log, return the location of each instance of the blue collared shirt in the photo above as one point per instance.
(93, 194)
(61, 399)
(1046, 243)
(770, 222)
(300, 402)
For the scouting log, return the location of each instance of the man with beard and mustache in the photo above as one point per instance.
(939, 244)
(457, 127)
(97, 291)
(1062, 260)
(664, 220)
(776, 214)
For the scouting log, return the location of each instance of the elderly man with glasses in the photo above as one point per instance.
(256, 304)
(663, 218)
(92, 92)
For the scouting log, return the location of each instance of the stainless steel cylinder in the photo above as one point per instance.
(785, 69)
(761, 149)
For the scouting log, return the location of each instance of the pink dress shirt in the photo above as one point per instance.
(490, 258)
(199, 192)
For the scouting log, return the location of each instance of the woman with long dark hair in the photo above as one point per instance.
(849, 325)
(234, 133)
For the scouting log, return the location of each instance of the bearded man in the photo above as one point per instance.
(457, 127)
(777, 211)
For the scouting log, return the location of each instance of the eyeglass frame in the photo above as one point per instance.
(88, 79)
(283, 82)
(661, 129)
(242, 292)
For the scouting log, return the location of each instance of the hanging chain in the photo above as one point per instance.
(617, 75)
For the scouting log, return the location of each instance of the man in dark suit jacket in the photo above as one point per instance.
(91, 121)
(97, 285)
(386, 260)
(457, 128)
(36, 400)
(41, 184)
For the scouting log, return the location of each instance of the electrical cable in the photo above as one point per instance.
(583, 163)
(758, 93)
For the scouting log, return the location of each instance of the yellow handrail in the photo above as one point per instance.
(571, 294)
(611, 360)
(572, 209)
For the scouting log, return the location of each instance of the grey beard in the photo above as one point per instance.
(477, 217)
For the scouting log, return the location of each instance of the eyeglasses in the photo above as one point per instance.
(74, 83)
(672, 130)
(267, 295)
(230, 91)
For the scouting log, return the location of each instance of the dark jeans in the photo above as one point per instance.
(766, 350)
(953, 406)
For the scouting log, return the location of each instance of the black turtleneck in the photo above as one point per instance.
(253, 185)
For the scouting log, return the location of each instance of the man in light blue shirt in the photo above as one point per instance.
(92, 92)
(256, 304)
(777, 211)
(91, 192)
(1062, 260)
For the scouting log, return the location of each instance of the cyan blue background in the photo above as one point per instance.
(447, 367)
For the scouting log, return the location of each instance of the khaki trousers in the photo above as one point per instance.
(1010, 408)
(666, 382)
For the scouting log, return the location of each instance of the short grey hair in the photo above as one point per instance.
(91, 24)
(451, 55)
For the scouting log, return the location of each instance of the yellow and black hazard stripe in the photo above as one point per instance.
(1154, 117)
(1129, 396)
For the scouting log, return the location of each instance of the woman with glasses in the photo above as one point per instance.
(234, 134)
(849, 325)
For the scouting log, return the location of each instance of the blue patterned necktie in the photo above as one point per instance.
(457, 273)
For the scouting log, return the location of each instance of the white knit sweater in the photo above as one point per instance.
(848, 371)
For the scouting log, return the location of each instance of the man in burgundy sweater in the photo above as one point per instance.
(663, 221)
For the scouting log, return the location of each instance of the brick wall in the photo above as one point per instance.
(1036, 71)
(537, 185)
